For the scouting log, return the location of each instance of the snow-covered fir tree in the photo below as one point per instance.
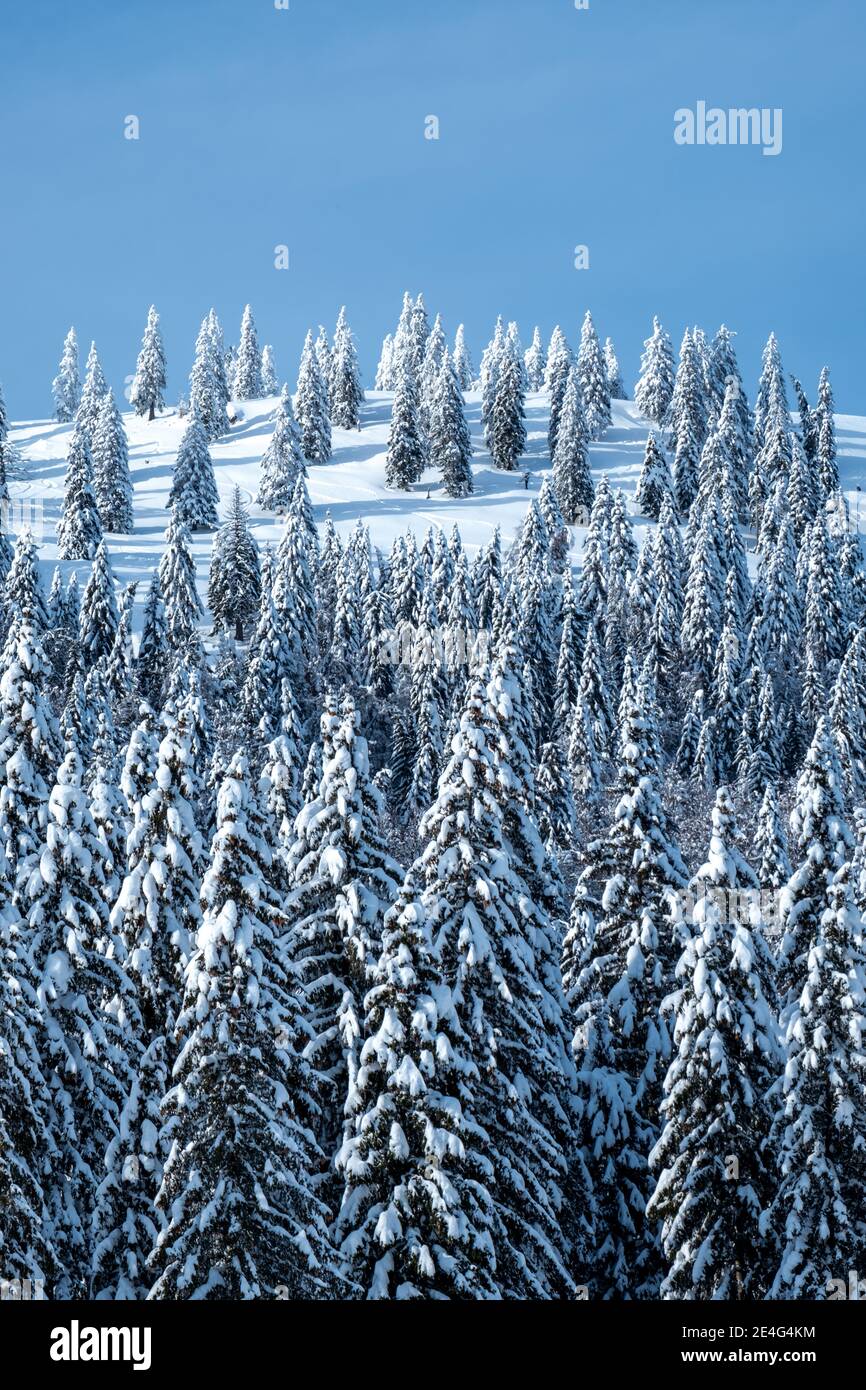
(148, 384)
(655, 387)
(244, 1218)
(234, 584)
(112, 483)
(248, 368)
(79, 530)
(66, 386)
(312, 407)
(193, 494)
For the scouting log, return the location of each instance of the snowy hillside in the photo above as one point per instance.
(350, 486)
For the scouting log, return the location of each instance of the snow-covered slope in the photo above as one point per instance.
(350, 486)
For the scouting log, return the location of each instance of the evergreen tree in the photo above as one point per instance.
(112, 483)
(715, 1111)
(95, 387)
(621, 1039)
(153, 653)
(282, 461)
(148, 384)
(417, 1218)
(820, 1130)
(654, 390)
(98, 621)
(406, 457)
(556, 374)
(571, 474)
(270, 381)
(615, 386)
(193, 494)
(385, 369)
(234, 586)
(248, 372)
(506, 429)
(771, 846)
(208, 387)
(86, 1030)
(66, 385)
(244, 1219)
(462, 361)
(474, 900)
(311, 406)
(79, 531)
(343, 880)
(178, 585)
(347, 393)
(534, 360)
(654, 483)
(592, 378)
(450, 440)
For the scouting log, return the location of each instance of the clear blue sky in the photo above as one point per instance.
(306, 127)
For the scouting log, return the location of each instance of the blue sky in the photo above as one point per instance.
(306, 127)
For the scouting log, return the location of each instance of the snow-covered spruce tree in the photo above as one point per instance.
(29, 744)
(507, 430)
(560, 362)
(824, 843)
(571, 475)
(655, 387)
(615, 387)
(463, 368)
(295, 591)
(325, 358)
(771, 845)
(828, 468)
(178, 584)
(347, 393)
(713, 1170)
(819, 1138)
(272, 666)
(148, 384)
(449, 437)
(688, 408)
(97, 626)
(244, 1218)
(79, 530)
(193, 495)
(407, 455)
(270, 381)
(475, 902)
(208, 388)
(311, 406)
(112, 483)
(282, 461)
(384, 370)
(592, 376)
(654, 483)
(234, 586)
(248, 372)
(534, 360)
(23, 593)
(417, 1219)
(156, 914)
(27, 1150)
(343, 881)
(772, 398)
(621, 1041)
(704, 598)
(153, 651)
(554, 801)
(86, 1028)
(66, 386)
(95, 387)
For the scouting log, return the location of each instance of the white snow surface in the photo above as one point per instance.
(351, 485)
